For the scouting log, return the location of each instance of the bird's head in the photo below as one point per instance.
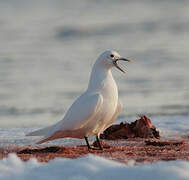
(109, 59)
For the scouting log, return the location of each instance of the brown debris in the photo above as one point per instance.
(164, 143)
(142, 128)
(52, 149)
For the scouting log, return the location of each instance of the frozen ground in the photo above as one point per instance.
(90, 167)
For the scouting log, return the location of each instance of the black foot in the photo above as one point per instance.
(88, 145)
(99, 144)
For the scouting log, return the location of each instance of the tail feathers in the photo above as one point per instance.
(63, 134)
(40, 132)
(56, 135)
(42, 141)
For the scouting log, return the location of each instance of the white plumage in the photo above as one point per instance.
(95, 110)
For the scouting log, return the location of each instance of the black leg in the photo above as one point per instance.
(99, 144)
(88, 145)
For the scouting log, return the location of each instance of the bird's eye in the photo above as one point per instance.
(111, 55)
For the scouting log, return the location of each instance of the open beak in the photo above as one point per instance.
(120, 59)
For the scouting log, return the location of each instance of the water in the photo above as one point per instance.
(47, 49)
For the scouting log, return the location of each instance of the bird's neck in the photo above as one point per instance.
(100, 78)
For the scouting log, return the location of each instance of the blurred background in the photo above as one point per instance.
(47, 49)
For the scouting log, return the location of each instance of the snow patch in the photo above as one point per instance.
(90, 167)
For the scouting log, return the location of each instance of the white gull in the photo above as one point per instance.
(95, 110)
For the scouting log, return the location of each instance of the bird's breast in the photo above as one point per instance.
(109, 90)
(103, 82)
(110, 98)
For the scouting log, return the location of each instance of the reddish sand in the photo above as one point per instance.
(138, 149)
(142, 144)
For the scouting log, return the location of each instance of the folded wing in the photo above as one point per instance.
(79, 114)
